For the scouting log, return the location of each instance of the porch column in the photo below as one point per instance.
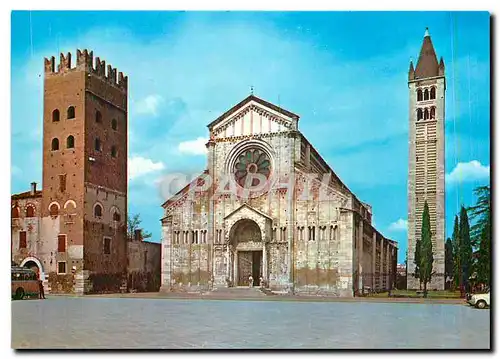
(374, 257)
(264, 260)
(228, 264)
(235, 269)
(382, 267)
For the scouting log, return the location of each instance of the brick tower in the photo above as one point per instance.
(84, 197)
(426, 174)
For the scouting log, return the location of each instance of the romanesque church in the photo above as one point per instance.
(269, 207)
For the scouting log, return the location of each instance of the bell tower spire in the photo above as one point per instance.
(426, 162)
(427, 64)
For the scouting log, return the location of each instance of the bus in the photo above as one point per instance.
(24, 283)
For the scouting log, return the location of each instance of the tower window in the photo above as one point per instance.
(98, 211)
(70, 142)
(426, 114)
(30, 211)
(433, 112)
(116, 217)
(114, 124)
(22, 239)
(14, 212)
(54, 209)
(433, 93)
(97, 144)
(71, 112)
(419, 95)
(426, 94)
(107, 245)
(419, 114)
(113, 151)
(98, 117)
(62, 183)
(55, 115)
(55, 144)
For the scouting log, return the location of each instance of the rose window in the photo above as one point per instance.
(252, 161)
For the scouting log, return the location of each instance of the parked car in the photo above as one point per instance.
(479, 300)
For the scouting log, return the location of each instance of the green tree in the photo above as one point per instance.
(483, 265)
(426, 255)
(480, 215)
(133, 224)
(416, 261)
(448, 259)
(455, 239)
(465, 249)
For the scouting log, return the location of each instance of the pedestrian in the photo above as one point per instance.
(250, 281)
(40, 289)
(261, 281)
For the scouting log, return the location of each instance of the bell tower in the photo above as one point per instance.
(84, 197)
(426, 162)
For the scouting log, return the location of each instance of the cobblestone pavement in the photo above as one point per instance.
(121, 323)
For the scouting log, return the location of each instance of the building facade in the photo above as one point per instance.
(143, 264)
(426, 172)
(76, 239)
(268, 206)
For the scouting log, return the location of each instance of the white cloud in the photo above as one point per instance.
(15, 171)
(400, 225)
(194, 147)
(467, 172)
(139, 166)
(148, 105)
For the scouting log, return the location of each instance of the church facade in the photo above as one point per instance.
(268, 206)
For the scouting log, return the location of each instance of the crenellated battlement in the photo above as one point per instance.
(85, 62)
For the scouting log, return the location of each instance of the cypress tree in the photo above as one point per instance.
(448, 259)
(426, 255)
(455, 239)
(465, 248)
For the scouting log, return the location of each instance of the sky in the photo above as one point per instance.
(344, 73)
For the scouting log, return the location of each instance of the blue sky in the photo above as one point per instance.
(344, 73)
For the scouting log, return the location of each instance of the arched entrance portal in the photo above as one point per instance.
(247, 253)
(35, 265)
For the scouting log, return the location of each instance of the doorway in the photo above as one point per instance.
(249, 263)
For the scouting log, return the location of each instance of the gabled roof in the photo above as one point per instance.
(249, 207)
(25, 195)
(427, 65)
(183, 190)
(247, 100)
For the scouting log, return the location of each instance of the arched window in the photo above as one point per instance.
(116, 217)
(97, 144)
(433, 112)
(426, 114)
(54, 209)
(113, 151)
(55, 115)
(114, 124)
(98, 211)
(433, 93)
(419, 114)
(14, 212)
(55, 144)
(426, 94)
(98, 117)
(419, 95)
(71, 112)
(70, 142)
(30, 211)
